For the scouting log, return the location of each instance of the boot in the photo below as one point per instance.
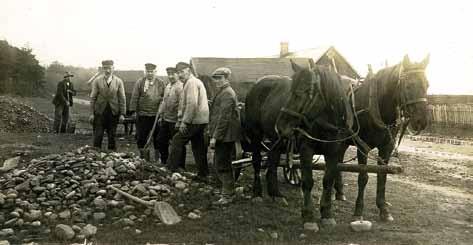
(228, 189)
(144, 154)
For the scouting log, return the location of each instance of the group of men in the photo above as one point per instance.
(175, 113)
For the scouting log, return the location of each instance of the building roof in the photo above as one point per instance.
(322, 56)
(247, 69)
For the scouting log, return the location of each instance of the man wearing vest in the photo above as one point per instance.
(107, 104)
(224, 131)
(62, 101)
(193, 117)
(145, 101)
(168, 112)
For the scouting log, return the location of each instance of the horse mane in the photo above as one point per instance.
(332, 87)
(385, 76)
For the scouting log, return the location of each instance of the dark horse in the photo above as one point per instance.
(314, 103)
(395, 97)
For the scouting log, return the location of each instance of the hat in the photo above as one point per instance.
(150, 66)
(107, 63)
(222, 71)
(68, 74)
(181, 66)
(171, 70)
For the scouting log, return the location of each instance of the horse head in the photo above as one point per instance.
(413, 86)
(303, 90)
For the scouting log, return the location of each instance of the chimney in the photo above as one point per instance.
(284, 49)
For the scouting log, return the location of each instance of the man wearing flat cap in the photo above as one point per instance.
(107, 105)
(62, 101)
(224, 131)
(168, 112)
(193, 117)
(147, 95)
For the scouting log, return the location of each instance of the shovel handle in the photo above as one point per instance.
(131, 197)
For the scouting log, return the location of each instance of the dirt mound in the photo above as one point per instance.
(17, 117)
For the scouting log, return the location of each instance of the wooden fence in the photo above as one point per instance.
(452, 115)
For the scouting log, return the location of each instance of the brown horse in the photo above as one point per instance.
(312, 110)
(393, 98)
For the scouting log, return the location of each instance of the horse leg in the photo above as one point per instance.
(272, 173)
(331, 162)
(338, 185)
(306, 154)
(385, 154)
(256, 161)
(362, 181)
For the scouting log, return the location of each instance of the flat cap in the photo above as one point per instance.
(181, 66)
(222, 71)
(171, 70)
(68, 74)
(107, 63)
(150, 66)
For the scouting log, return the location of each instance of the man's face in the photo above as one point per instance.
(184, 74)
(108, 70)
(150, 74)
(173, 76)
(67, 79)
(218, 79)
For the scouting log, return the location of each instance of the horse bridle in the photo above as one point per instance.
(402, 89)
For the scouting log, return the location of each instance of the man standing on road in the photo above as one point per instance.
(62, 101)
(168, 112)
(192, 120)
(224, 131)
(145, 101)
(107, 105)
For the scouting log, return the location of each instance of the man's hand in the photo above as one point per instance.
(91, 119)
(183, 128)
(160, 120)
(212, 143)
(121, 118)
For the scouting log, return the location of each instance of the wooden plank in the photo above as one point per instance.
(356, 168)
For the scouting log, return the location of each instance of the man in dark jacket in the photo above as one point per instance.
(107, 105)
(224, 131)
(62, 101)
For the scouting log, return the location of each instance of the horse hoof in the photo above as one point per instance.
(281, 201)
(330, 222)
(340, 197)
(257, 200)
(387, 217)
(311, 226)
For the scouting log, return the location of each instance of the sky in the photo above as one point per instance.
(85, 32)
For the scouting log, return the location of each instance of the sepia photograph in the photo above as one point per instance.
(236, 122)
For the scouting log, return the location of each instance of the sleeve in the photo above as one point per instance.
(135, 97)
(60, 93)
(163, 102)
(121, 98)
(191, 99)
(74, 92)
(226, 108)
(93, 96)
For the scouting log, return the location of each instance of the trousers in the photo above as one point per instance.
(105, 122)
(177, 157)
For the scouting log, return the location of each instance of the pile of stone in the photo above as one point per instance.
(69, 194)
(17, 117)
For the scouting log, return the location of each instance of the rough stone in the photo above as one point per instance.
(99, 216)
(64, 232)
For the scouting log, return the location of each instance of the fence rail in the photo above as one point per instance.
(457, 115)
